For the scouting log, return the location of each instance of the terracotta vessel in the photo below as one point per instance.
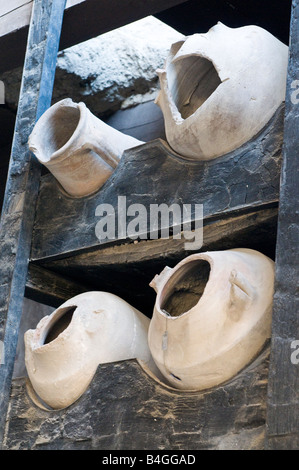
(219, 89)
(212, 316)
(79, 149)
(64, 351)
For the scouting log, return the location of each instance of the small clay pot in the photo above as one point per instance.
(79, 149)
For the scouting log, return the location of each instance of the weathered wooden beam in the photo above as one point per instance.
(23, 181)
(126, 409)
(283, 392)
(152, 173)
(7, 8)
(83, 20)
(215, 235)
(127, 269)
(50, 288)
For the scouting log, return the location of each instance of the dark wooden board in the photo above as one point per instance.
(127, 269)
(283, 401)
(23, 181)
(145, 121)
(126, 409)
(199, 16)
(241, 181)
(50, 288)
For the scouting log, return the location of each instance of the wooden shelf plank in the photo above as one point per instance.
(50, 288)
(125, 408)
(127, 269)
(240, 182)
(16, 14)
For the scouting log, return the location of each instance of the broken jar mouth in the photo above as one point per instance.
(185, 288)
(191, 81)
(57, 325)
(57, 130)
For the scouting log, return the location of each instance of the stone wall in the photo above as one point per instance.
(113, 71)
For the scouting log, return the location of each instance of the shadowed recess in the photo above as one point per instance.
(192, 80)
(185, 288)
(60, 325)
(57, 130)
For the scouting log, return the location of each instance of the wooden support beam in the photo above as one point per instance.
(283, 391)
(239, 182)
(83, 20)
(126, 409)
(127, 269)
(50, 288)
(23, 181)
